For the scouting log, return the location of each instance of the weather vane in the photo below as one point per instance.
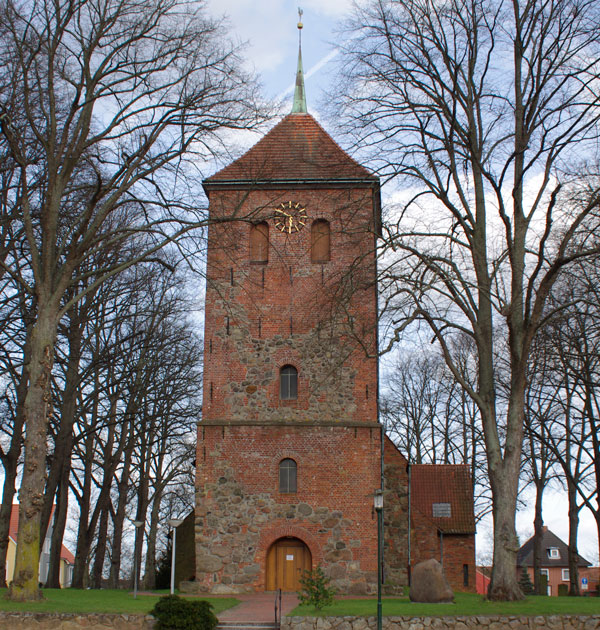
(300, 12)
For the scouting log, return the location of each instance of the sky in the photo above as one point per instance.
(268, 28)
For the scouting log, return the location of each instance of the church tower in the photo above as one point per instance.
(288, 455)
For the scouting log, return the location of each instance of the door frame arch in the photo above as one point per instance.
(286, 559)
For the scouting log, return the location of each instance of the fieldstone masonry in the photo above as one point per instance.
(555, 622)
(56, 621)
(64, 621)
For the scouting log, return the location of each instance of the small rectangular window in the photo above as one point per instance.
(565, 575)
(442, 510)
(553, 552)
(465, 575)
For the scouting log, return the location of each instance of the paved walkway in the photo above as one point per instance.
(259, 607)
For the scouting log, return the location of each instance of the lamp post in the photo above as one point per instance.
(378, 504)
(137, 525)
(174, 523)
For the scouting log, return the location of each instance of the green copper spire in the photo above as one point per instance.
(299, 106)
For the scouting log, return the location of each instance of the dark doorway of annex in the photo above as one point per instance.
(287, 558)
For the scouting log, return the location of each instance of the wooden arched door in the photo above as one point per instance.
(287, 558)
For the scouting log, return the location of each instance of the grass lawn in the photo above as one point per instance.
(99, 601)
(466, 604)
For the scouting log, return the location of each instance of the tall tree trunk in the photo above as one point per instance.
(119, 520)
(58, 530)
(538, 531)
(573, 527)
(64, 440)
(10, 461)
(100, 555)
(25, 584)
(150, 569)
(81, 553)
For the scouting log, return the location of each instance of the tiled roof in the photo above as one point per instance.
(65, 554)
(297, 148)
(446, 484)
(549, 541)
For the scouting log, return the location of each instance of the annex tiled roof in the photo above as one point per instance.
(446, 484)
(549, 541)
(297, 148)
(65, 554)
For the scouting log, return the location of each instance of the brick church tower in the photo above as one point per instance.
(288, 452)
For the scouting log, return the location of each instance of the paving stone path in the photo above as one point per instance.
(258, 607)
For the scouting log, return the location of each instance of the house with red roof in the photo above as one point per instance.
(555, 563)
(67, 559)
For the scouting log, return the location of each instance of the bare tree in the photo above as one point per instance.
(482, 111)
(107, 109)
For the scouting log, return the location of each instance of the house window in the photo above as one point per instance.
(287, 475)
(553, 552)
(320, 242)
(565, 575)
(441, 510)
(259, 243)
(288, 383)
(465, 575)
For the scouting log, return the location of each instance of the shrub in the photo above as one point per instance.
(525, 582)
(176, 613)
(563, 590)
(315, 589)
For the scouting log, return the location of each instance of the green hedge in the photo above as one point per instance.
(177, 613)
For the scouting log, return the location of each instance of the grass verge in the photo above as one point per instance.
(466, 604)
(98, 601)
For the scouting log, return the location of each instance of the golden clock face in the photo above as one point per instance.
(290, 216)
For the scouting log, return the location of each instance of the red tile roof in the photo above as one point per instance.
(444, 483)
(65, 554)
(297, 148)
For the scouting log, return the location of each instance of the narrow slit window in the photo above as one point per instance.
(259, 243)
(320, 242)
(288, 472)
(288, 383)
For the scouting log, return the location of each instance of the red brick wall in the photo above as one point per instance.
(458, 550)
(321, 318)
(261, 317)
(240, 511)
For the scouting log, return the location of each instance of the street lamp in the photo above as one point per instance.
(137, 525)
(174, 523)
(378, 504)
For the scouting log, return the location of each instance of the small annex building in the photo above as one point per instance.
(289, 450)
(554, 562)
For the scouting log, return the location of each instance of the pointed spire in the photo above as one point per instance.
(299, 106)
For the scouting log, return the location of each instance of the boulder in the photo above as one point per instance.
(428, 583)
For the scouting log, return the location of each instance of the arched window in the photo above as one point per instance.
(320, 241)
(288, 471)
(288, 383)
(259, 243)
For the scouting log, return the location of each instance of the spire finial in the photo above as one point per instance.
(299, 106)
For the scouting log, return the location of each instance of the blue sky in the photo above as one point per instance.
(269, 28)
